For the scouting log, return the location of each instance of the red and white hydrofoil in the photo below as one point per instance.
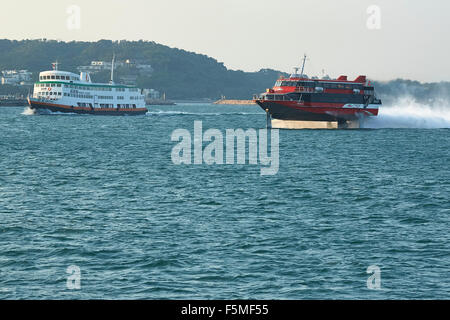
(300, 102)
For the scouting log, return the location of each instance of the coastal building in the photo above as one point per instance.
(97, 66)
(130, 80)
(144, 68)
(16, 77)
(151, 94)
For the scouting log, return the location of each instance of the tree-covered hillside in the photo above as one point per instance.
(178, 73)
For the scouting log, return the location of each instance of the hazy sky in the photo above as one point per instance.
(413, 40)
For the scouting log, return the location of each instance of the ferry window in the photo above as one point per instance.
(53, 77)
(59, 84)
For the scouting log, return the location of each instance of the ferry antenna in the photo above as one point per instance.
(112, 69)
(303, 65)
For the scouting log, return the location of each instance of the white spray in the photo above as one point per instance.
(407, 113)
(28, 111)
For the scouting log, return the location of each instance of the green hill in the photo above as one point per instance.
(178, 73)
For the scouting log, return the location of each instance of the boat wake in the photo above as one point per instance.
(407, 113)
(171, 113)
(28, 111)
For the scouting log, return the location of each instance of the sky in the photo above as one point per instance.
(383, 39)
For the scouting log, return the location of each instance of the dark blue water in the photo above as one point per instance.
(102, 193)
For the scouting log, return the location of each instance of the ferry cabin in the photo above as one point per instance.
(322, 92)
(67, 88)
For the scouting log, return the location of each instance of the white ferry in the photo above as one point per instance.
(61, 91)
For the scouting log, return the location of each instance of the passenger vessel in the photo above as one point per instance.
(299, 102)
(61, 91)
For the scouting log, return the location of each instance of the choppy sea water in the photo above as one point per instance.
(102, 193)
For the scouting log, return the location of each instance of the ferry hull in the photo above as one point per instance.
(46, 107)
(294, 111)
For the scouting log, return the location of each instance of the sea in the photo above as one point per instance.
(93, 207)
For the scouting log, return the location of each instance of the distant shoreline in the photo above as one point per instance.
(230, 101)
(13, 102)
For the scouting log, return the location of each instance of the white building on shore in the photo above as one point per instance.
(16, 77)
(97, 66)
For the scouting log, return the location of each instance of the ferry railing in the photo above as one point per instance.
(273, 97)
